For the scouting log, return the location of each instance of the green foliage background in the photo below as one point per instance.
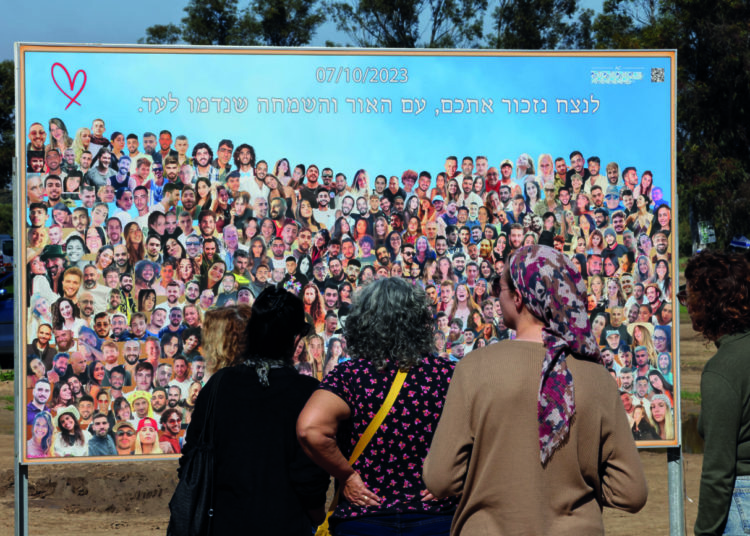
(712, 40)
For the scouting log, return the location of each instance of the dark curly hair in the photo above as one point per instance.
(390, 323)
(718, 294)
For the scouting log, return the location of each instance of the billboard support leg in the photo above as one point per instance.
(22, 499)
(676, 492)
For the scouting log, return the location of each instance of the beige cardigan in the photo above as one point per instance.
(486, 447)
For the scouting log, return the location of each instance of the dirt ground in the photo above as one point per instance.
(129, 498)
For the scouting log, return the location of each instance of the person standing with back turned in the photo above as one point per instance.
(718, 301)
(263, 482)
(529, 456)
(389, 337)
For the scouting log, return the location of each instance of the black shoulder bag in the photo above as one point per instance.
(191, 507)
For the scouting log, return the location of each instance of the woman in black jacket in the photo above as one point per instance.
(263, 482)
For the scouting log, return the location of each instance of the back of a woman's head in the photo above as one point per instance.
(277, 318)
(389, 323)
(224, 336)
(718, 293)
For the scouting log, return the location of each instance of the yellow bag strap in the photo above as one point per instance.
(374, 425)
(364, 440)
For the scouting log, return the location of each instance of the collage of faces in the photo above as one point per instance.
(132, 237)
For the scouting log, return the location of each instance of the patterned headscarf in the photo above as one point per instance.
(554, 292)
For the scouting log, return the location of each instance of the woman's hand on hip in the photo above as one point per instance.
(356, 492)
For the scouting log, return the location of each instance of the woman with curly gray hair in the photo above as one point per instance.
(388, 330)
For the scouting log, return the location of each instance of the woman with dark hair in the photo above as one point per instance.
(134, 242)
(320, 245)
(221, 207)
(298, 176)
(531, 194)
(305, 216)
(479, 186)
(485, 269)
(579, 261)
(314, 305)
(258, 256)
(122, 410)
(411, 208)
(174, 248)
(40, 443)
(413, 230)
(660, 385)
(640, 221)
(662, 221)
(334, 355)
(61, 396)
(285, 193)
(662, 278)
(203, 192)
(267, 231)
(95, 239)
(70, 440)
(146, 300)
(546, 417)
(361, 229)
(171, 346)
(260, 471)
(95, 372)
(717, 297)
(423, 251)
(185, 270)
(104, 257)
(388, 330)
(345, 292)
(118, 144)
(341, 229)
(439, 188)
(393, 245)
(444, 270)
(146, 273)
(500, 250)
(214, 275)
(66, 315)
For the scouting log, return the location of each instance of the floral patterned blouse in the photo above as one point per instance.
(391, 464)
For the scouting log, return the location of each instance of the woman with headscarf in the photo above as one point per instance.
(546, 417)
(260, 471)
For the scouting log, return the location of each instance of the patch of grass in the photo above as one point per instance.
(9, 402)
(7, 375)
(692, 396)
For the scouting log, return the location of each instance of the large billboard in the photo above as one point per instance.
(156, 183)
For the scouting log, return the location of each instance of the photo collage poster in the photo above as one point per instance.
(159, 183)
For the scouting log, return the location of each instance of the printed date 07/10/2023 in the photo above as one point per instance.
(362, 75)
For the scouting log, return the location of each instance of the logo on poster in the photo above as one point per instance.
(615, 76)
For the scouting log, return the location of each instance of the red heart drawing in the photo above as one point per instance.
(71, 83)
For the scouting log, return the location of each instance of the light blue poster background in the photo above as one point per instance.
(440, 105)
